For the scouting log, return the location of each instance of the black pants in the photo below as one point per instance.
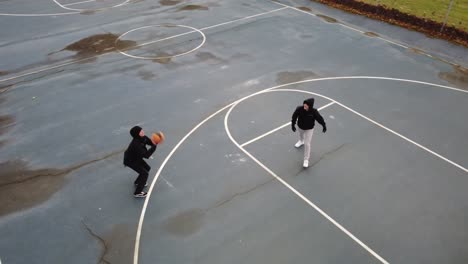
(142, 168)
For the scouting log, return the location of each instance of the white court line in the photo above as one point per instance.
(162, 57)
(278, 128)
(300, 195)
(39, 15)
(177, 146)
(341, 24)
(382, 126)
(77, 61)
(218, 25)
(77, 3)
(98, 9)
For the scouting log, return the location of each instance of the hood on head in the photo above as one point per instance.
(309, 102)
(135, 131)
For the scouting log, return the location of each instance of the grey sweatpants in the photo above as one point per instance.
(306, 137)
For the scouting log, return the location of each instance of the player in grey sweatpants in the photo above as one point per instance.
(305, 116)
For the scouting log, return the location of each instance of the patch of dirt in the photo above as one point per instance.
(396, 17)
(22, 187)
(289, 77)
(304, 8)
(459, 77)
(193, 8)
(169, 2)
(371, 34)
(327, 18)
(185, 223)
(99, 44)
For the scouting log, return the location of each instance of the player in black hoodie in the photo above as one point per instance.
(133, 158)
(305, 115)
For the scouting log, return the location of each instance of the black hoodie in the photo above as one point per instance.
(306, 119)
(136, 150)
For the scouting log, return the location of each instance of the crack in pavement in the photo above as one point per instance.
(240, 194)
(64, 171)
(328, 154)
(101, 241)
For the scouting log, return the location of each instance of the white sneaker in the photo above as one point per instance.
(299, 144)
(306, 164)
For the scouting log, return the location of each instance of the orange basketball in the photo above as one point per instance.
(157, 137)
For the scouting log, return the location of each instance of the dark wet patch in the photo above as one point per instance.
(146, 75)
(208, 56)
(459, 77)
(3, 73)
(119, 246)
(304, 8)
(193, 8)
(306, 36)
(169, 2)
(185, 223)
(5, 88)
(88, 12)
(22, 187)
(289, 77)
(241, 56)
(99, 44)
(417, 51)
(6, 122)
(116, 247)
(371, 34)
(163, 58)
(327, 18)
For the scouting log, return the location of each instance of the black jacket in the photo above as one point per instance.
(306, 119)
(137, 150)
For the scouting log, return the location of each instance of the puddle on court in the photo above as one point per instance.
(459, 77)
(169, 2)
(146, 75)
(288, 77)
(185, 223)
(99, 44)
(304, 8)
(371, 34)
(327, 18)
(22, 187)
(193, 8)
